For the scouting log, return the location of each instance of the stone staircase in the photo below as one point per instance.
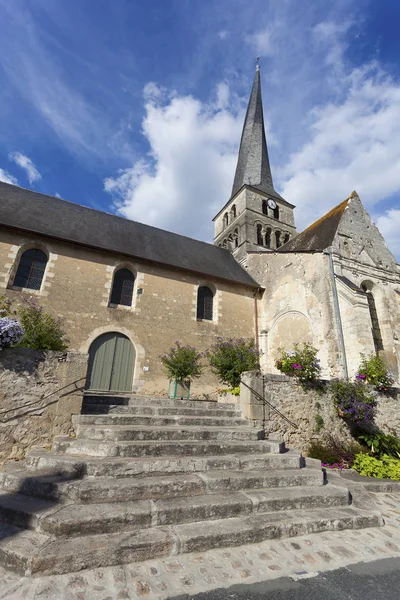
(148, 477)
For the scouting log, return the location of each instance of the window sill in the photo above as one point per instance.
(17, 288)
(119, 306)
(205, 320)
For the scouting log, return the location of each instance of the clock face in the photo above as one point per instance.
(272, 203)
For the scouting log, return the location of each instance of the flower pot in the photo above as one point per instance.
(179, 389)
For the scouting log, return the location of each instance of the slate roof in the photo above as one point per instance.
(253, 166)
(319, 235)
(56, 218)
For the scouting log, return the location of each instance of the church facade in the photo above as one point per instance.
(126, 291)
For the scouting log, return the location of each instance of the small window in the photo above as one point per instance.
(122, 289)
(205, 299)
(226, 220)
(265, 207)
(236, 238)
(286, 238)
(234, 211)
(276, 212)
(278, 239)
(31, 269)
(268, 238)
(376, 330)
(260, 241)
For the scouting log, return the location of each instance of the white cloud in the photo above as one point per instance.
(186, 177)
(7, 177)
(25, 163)
(389, 226)
(353, 144)
(261, 42)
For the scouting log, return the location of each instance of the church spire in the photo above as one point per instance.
(253, 163)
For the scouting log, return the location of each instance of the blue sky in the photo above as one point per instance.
(137, 107)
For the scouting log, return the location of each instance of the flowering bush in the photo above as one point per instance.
(354, 401)
(11, 332)
(41, 330)
(333, 452)
(380, 443)
(300, 362)
(230, 358)
(373, 370)
(182, 363)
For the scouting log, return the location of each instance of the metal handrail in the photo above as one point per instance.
(265, 402)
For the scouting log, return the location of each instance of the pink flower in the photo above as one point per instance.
(296, 366)
(360, 376)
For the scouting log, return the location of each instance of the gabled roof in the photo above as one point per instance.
(320, 234)
(56, 218)
(253, 168)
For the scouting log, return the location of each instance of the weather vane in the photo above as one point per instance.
(258, 63)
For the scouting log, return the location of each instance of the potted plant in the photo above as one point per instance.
(182, 364)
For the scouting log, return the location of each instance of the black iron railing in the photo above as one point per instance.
(261, 398)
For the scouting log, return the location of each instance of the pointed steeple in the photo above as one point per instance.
(253, 163)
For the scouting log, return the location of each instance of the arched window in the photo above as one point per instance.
(376, 330)
(230, 242)
(265, 207)
(234, 211)
(276, 212)
(226, 220)
(260, 240)
(224, 244)
(31, 269)
(268, 238)
(286, 238)
(122, 289)
(205, 299)
(278, 239)
(236, 238)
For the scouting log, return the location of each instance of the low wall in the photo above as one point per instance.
(301, 407)
(39, 391)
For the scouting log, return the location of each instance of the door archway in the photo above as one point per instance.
(111, 363)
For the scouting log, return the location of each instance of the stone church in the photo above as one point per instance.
(126, 291)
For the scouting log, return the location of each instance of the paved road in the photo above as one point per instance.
(379, 580)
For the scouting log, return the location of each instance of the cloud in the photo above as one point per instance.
(25, 163)
(261, 42)
(389, 226)
(186, 176)
(7, 177)
(353, 144)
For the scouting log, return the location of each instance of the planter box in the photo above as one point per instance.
(179, 389)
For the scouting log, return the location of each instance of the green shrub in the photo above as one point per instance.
(319, 423)
(182, 363)
(230, 358)
(42, 331)
(380, 443)
(300, 362)
(234, 391)
(354, 401)
(373, 370)
(385, 467)
(332, 451)
(5, 307)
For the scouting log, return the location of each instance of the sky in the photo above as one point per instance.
(136, 108)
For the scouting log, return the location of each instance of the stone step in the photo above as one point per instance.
(130, 467)
(137, 400)
(58, 488)
(140, 433)
(78, 520)
(131, 419)
(161, 411)
(29, 552)
(163, 448)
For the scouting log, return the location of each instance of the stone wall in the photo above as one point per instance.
(301, 407)
(39, 391)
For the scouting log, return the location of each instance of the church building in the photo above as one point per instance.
(127, 291)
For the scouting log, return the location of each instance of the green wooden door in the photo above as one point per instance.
(111, 363)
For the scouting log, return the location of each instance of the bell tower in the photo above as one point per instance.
(256, 217)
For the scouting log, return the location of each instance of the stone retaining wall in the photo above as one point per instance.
(301, 407)
(39, 391)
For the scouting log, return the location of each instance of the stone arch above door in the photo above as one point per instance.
(290, 328)
(111, 363)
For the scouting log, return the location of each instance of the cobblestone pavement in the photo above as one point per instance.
(193, 573)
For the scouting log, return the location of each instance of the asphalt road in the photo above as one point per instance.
(378, 580)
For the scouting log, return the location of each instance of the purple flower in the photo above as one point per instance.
(360, 376)
(296, 366)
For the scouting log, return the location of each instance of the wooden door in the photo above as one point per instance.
(111, 363)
